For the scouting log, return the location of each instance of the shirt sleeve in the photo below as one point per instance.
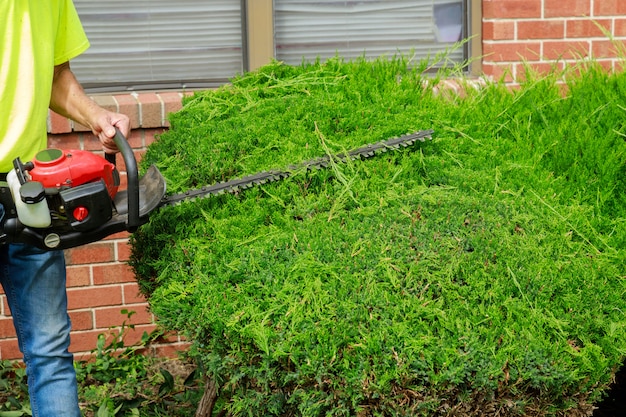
(71, 39)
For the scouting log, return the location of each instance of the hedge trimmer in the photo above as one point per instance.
(63, 199)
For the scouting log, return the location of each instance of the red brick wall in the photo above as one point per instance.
(100, 283)
(543, 33)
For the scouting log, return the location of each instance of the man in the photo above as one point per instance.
(37, 41)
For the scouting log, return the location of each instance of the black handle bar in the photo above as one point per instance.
(132, 176)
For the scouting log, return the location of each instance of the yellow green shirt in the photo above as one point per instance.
(35, 36)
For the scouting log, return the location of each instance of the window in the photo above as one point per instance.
(309, 29)
(160, 44)
(149, 44)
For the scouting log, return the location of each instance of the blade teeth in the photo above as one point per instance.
(366, 151)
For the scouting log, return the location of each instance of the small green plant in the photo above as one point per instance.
(117, 381)
(120, 380)
(13, 390)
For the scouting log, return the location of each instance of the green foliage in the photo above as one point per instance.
(481, 268)
(125, 380)
(119, 380)
(13, 390)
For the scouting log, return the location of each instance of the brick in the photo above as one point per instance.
(112, 274)
(499, 30)
(106, 102)
(6, 328)
(58, 123)
(113, 317)
(537, 68)
(170, 350)
(169, 337)
(92, 253)
(512, 51)
(118, 236)
(135, 140)
(123, 251)
(128, 105)
(121, 164)
(78, 276)
(609, 7)
(9, 350)
(150, 135)
(78, 298)
(567, 8)
(133, 337)
(91, 142)
(81, 320)
(541, 29)
(172, 102)
(5, 306)
(607, 49)
(139, 155)
(510, 9)
(64, 141)
(587, 28)
(619, 66)
(451, 87)
(132, 295)
(83, 341)
(151, 110)
(504, 72)
(565, 49)
(607, 64)
(620, 27)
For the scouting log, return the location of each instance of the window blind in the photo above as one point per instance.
(139, 44)
(322, 29)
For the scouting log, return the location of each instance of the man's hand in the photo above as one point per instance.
(69, 99)
(104, 126)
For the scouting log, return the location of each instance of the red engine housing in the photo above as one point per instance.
(55, 168)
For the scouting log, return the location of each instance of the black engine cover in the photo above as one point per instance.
(94, 197)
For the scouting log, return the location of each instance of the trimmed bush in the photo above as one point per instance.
(480, 273)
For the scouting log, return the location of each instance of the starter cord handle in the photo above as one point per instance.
(132, 176)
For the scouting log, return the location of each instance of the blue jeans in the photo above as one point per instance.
(34, 283)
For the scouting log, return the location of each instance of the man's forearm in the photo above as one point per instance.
(69, 99)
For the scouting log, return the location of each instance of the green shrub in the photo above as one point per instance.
(480, 272)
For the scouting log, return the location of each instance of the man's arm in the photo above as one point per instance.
(69, 99)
